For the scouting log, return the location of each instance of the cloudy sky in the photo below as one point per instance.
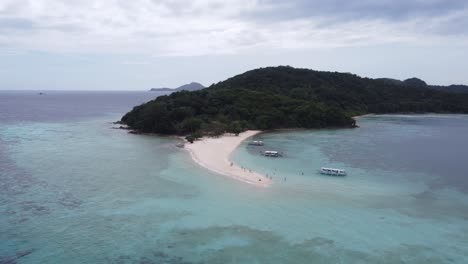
(139, 44)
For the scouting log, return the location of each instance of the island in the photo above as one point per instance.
(286, 97)
(193, 86)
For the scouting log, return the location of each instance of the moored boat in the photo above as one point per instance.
(256, 143)
(333, 172)
(271, 153)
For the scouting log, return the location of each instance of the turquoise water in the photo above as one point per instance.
(78, 191)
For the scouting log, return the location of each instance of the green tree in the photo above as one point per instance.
(190, 125)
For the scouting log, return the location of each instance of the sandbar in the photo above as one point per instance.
(214, 154)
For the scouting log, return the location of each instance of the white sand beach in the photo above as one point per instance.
(215, 155)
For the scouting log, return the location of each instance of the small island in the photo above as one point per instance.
(286, 97)
(193, 86)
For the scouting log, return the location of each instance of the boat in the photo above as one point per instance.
(333, 172)
(180, 145)
(256, 143)
(271, 153)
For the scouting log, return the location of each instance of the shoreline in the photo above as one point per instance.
(364, 115)
(214, 154)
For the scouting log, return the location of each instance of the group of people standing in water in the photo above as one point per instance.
(267, 175)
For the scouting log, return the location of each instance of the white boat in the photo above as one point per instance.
(271, 153)
(333, 172)
(256, 143)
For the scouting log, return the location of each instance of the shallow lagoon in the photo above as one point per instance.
(77, 191)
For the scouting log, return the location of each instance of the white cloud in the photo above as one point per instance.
(162, 28)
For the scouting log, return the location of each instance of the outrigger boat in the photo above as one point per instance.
(333, 172)
(256, 143)
(271, 153)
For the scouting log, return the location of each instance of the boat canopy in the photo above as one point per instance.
(331, 171)
(271, 153)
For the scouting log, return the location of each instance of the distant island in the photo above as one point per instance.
(193, 86)
(287, 97)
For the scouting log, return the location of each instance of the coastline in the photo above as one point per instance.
(214, 154)
(364, 115)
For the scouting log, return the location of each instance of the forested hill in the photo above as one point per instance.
(454, 88)
(286, 97)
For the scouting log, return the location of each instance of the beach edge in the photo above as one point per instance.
(215, 154)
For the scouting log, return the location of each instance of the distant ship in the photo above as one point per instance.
(333, 172)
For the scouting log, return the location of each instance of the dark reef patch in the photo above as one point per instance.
(13, 259)
(34, 207)
(156, 257)
(275, 249)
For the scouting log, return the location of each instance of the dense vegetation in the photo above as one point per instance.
(415, 82)
(451, 88)
(285, 97)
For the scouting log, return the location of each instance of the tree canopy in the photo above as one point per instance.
(286, 97)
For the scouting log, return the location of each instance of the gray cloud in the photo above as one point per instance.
(456, 24)
(331, 12)
(25, 25)
(391, 10)
(198, 27)
(16, 24)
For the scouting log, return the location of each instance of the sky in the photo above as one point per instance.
(140, 44)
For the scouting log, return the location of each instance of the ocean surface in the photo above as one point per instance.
(75, 190)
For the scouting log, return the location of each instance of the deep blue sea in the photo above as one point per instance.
(75, 190)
